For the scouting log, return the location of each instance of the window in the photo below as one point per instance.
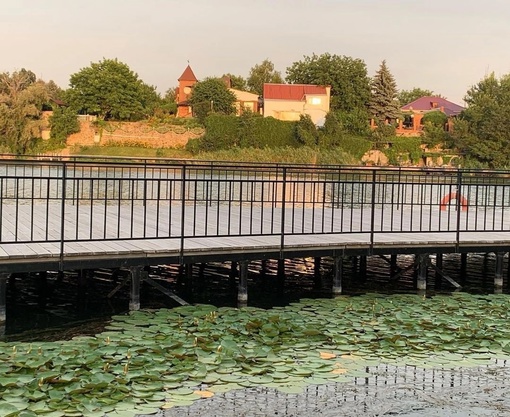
(315, 101)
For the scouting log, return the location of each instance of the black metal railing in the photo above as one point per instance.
(89, 200)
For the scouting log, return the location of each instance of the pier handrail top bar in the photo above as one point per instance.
(196, 163)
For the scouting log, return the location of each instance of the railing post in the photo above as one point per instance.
(282, 230)
(372, 216)
(183, 212)
(62, 215)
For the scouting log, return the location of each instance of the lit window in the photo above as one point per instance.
(315, 101)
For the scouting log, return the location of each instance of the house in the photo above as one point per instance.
(186, 82)
(245, 101)
(290, 101)
(412, 123)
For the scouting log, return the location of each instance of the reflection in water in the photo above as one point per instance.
(389, 390)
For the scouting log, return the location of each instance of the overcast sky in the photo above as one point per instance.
(442, 45)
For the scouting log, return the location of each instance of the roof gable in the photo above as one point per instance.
(428, 103)
(294, 92)
(187, 75)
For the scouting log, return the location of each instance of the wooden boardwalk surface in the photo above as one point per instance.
(117, 235)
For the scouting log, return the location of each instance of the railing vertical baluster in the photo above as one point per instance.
(458, 206)
(183, 211)
(62, 216)
(282, 217)
(372, 215)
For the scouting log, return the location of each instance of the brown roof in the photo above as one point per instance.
(292, 91)
(187, 75)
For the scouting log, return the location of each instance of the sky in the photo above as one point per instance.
(445, 46)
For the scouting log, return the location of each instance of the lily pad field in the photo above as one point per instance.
(148, 361)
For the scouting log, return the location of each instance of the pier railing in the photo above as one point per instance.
(90, 200)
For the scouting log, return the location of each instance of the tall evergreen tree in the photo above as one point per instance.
(384, 104)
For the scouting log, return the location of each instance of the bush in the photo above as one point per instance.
(249, 130)
(63, 123)
(403, 150)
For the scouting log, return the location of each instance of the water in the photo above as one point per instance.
(70, 309)
(389, 391)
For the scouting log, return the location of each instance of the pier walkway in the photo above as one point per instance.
(85, 214)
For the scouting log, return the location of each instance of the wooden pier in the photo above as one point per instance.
(75, 215)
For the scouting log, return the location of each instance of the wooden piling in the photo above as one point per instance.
(317, 276)
(421, 282)
(337, 277)
(233, 274)
(3, 298)
(498, 277)
(242, 289)
(280, 279)
(393, 265)
(439, 267)
(463, 267)
(136, 275)
(363, 268)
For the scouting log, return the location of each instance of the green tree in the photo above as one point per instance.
(236, 81)
(21, 102)
(262, 73)
(434, 132)
(306, 131)
(487, 138)
(408, 96)
(110, 90)
(384, 106)
(211, 96)
(350, 84)
(63, 122)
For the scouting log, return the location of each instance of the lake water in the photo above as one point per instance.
(389, 390)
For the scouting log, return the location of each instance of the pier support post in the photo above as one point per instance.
(136, 277)
(280, 278)
(439, 267)
(363, 268)
(233, 274)
(42, 288)
(498, 277)
(3, 302)
(463, 267)
(421, 282)
(242, 289)
(337, 277)
(393, 265)
(317, 277)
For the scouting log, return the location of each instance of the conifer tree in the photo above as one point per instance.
(384, 104)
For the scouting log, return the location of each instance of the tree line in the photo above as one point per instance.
(110, 90)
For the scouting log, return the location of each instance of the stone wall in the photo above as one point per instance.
(133, 134)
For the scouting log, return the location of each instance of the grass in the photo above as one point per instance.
(133, 152)
(301, 155)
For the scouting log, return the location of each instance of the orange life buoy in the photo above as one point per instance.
(454, 196)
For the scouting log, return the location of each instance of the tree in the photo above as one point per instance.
(350, 85)
(63, 122)
(487, 137)
(384, 106)
(236, 81)
(408, 96)
(211, 96)
(21, 102)
(260, 74)
(306, 132)
(110, 90)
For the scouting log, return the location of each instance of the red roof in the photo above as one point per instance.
(187, 75)
(430, 103)
(292, 91)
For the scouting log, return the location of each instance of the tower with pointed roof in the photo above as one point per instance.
(186, 82)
